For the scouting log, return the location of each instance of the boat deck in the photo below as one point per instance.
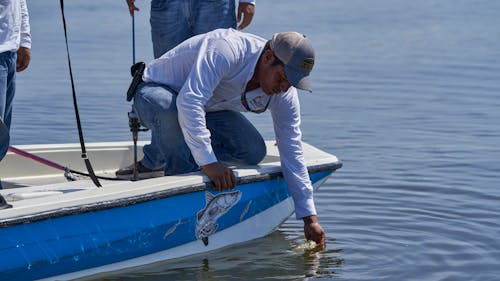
(17, 171)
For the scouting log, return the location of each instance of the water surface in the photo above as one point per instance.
(406, 93)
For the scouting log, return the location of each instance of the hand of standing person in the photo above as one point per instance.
(132, 7)
(245, 14)
(23, 58)
(222, 176)
(314, 231)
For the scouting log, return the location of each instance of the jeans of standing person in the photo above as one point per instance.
(234, 139)
(7, 90)
(173, 21)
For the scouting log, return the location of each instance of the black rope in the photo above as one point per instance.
(80, 133)
(87, 175)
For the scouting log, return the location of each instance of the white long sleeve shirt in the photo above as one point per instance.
(210, 72)
(14, 25)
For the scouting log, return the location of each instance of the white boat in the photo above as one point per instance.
(53, 228)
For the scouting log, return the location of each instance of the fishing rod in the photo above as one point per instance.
(47, 162)
(133, 120)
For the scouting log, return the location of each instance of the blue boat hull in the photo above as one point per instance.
(141, 233)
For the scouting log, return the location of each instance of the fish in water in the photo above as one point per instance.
(309, 245)
(216, 206)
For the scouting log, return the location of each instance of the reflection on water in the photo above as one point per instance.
(268, 258)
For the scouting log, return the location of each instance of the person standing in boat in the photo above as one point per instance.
(191, 99)
(15, 44)
(172, 23)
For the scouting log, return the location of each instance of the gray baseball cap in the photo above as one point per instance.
(297, 53)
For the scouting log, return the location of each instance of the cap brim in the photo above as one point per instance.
(298, 79)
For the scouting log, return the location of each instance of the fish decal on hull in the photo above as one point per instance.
(216, 206)
(173, 228)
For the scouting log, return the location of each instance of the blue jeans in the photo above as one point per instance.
(173, 21)
(7, 90)
(234, 139)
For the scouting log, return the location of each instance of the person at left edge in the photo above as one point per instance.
(15, 45)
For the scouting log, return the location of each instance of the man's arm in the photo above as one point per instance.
(285, 110)
(212, 64)
(23, 59)
(132, 7)
(24, 53)
(222, 176)
(246, 10)
(314, 231)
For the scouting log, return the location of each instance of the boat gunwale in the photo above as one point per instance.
(150, 196)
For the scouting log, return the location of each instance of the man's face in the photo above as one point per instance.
(272, 76)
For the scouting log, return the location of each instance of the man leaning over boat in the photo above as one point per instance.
(191, 99)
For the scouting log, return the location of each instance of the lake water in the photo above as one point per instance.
(406, 94)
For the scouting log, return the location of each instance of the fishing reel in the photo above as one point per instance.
(135, 128)
(136, 71)
(134, 123)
